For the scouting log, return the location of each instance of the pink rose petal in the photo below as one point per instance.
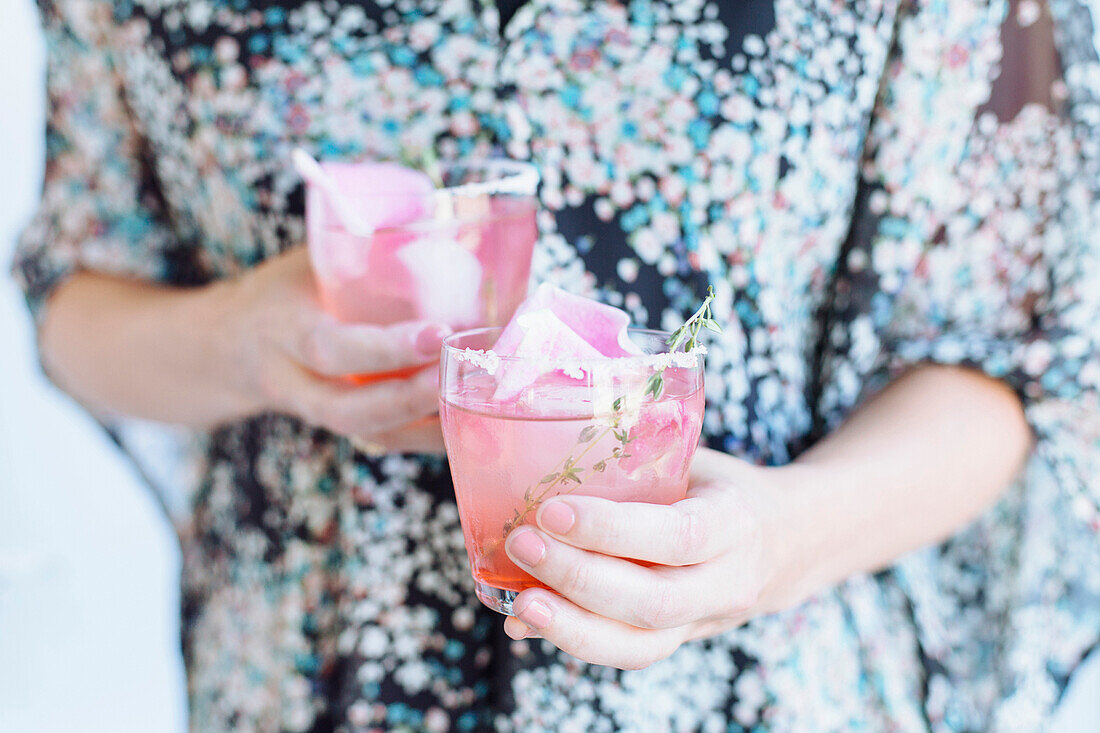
(541, 335)
(553, 325)
(663, 439)
(602, 327)
(384, 194)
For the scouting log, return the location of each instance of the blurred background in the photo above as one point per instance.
(88, 563)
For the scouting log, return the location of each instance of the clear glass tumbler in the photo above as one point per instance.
(520, 431)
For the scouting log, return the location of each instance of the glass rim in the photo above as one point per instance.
(660, 359)
(511, 177)
(519, 179)
(420, 226)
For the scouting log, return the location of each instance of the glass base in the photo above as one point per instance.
(498, 599)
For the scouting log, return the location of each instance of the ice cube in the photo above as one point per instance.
(542, 335)
(446, 280)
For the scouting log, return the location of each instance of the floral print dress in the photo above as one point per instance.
(834, 170)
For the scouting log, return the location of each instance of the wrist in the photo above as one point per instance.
(213, 320)
(791, 516)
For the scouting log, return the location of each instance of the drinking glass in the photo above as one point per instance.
(520, 431)
(463, 259)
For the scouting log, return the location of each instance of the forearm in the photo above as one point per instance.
(911, 467)
(124, 347)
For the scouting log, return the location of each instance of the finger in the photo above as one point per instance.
(380, 408)
(651, 598)
(691, 531)
(422, 436)
(519, 630)
(362, 411)
(332, 348)
(593, 638)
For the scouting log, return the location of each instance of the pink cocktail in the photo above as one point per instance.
(519, 431)
(458, 255)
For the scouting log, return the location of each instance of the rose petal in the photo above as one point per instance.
(601, 326)
(553, 326)
(661, 440)
(384, 194)
(541, 335)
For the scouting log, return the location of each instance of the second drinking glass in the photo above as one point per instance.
(460, 255)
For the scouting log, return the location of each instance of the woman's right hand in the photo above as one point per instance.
(286, 354)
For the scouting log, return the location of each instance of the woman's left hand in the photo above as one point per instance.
(718, 561)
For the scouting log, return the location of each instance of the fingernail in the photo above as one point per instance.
(556, 517)
(526, 547)
(535, 614)
(429, 339)
(528, 633)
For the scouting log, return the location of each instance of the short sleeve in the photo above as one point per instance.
(978, 238)
(976, 242)
(1003, 278)
(100, 208)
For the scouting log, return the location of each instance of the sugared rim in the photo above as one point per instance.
(490, 360)
(517, 179)
(514, 177)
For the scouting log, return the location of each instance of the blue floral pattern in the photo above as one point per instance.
(830, 169)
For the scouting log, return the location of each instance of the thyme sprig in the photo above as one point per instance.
(567, 473)
(686, 336)
(426, 160)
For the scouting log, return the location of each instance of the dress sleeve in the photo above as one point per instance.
(100, 208)
(976, 242)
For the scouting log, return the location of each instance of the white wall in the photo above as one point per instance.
(88, 570)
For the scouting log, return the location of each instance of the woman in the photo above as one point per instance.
(904, 281)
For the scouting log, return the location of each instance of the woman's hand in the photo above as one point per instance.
(717, 566)
(910, 467)
(294, 357)
(261, 342)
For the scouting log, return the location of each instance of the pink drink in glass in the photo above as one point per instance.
(508, 456)
(462, 257)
